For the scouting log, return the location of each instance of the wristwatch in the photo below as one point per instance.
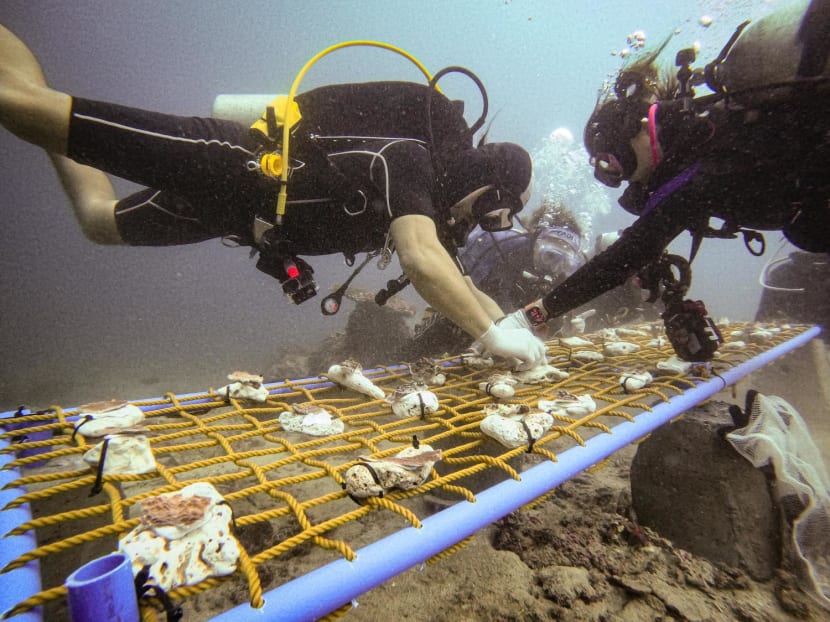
(536, 314)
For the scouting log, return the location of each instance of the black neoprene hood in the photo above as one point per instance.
(506, 166)
(511, 167)
(611, 128)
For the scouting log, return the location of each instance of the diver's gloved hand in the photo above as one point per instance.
(515, 343)
(517, 319)
(521, 319)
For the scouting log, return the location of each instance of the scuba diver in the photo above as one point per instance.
(516, 266)
(373, 168)
(512, 267)
(521, 264)
(753, 154)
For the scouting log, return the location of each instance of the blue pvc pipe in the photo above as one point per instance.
(19, 584)
(321, 591)
(274, 388)
(103, 589)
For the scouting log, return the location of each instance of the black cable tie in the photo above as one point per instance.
(531, 440)
(174, 612)
(415, 442)
(140, 579)
(373, 473)
(98, 486)
(375, 477)
(422, 405)
(85, 419)
(20, 438)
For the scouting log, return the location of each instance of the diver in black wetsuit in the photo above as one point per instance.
(376, 168)
(758, 162)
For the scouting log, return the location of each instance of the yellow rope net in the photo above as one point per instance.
(285, 489)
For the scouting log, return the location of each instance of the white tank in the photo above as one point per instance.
(244, 109)
(767, 52)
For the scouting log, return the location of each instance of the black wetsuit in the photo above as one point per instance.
(360, 157)
(752, 170)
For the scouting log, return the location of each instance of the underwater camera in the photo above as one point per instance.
(692, 333)
(300, 285)
(295, 275)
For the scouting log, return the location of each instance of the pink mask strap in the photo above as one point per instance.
(652, 134)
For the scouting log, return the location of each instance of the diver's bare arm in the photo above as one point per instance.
(434, 274)
(40, 115)
(29, 109)
(493, 309)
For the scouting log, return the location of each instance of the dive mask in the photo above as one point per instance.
(607, 138)
(608, 170)
(509, 172)
(556, 252)
(494, 209)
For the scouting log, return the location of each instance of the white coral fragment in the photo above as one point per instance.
(310, 419)
(517, 430)
(734, 345)
(620, 348)
(184, 537)
(428, 372)
(578, 321)
(349, 374)
(499, 386)
(627, 333)
(473, 359)
(101, 418)
(506, 410)
(587, 356)
(760, 335)
(635, 380)
(674, 364)
(575, 342)
(126, 455)
(568, 405)
(540, 374)
(406, 470)
(244, 386)
(413, 400)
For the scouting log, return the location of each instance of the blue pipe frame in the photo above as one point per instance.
(321, 591)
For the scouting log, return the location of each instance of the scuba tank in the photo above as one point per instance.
(776, 57)
(244, 109)
(273, 122)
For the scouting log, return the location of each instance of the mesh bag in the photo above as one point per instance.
(777, 435)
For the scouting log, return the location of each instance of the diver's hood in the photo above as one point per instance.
(611, 128)
(505, 166)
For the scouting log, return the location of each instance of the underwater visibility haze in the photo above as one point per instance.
(82, 322)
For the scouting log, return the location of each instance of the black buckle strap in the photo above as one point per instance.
(174, 612)
(98, 486)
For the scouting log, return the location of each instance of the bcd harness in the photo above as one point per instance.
(279, 125)
(813, 28)
(692, 333)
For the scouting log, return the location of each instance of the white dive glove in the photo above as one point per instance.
(516, 343)
(517, 319)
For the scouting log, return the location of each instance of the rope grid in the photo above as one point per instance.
(285, 488)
